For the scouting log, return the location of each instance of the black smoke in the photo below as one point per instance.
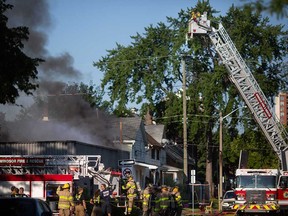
(35, 15)
(69, 116)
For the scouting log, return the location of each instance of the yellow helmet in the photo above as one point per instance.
(66, 185)
(164, 187)
(175, 189)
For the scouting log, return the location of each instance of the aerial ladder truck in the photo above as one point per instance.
(40, 175)
(254, 98)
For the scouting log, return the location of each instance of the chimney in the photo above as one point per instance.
(148, 118)
(45, 112)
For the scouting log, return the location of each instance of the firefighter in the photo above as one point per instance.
(131, 193)
(195, 16)
(105, 199)
(80, 201)
(146, 204)
(21, 192)
(15, 192)
(65, 204)
(155, 201)
(164, 200)
(177, 201)
(95, 201)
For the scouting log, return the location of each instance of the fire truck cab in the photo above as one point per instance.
(256, 191)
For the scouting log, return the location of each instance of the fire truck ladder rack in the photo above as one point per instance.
(247, 86)
(49, 164)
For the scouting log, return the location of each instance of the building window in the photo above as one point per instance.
(153, 153)
(158, 154)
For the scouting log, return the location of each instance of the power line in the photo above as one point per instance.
(139, 59)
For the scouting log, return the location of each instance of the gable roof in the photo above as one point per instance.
(155, 131)
(130, 127)
(152, 141)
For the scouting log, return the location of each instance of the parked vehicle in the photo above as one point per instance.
(228, 201)
(24, 207)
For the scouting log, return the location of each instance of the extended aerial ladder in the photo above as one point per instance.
(241, 76)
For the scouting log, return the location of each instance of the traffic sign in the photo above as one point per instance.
(193, 176)
(127, 171)
(126, 162)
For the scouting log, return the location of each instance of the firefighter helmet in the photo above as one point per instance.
(175, 189)
(66, 185)
(164, 187)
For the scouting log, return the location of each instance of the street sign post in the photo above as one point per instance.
(193, 181)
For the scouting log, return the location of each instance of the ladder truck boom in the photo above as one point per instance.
(241, 76)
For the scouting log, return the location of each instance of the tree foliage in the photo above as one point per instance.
(18, 71)
(264, 46)
(278, 7)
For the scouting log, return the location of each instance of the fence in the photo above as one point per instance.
(200, 195)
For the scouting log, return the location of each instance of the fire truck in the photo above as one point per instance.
(41, 175)
(242, 78)
(256, 191)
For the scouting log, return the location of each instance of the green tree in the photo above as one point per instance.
(278, 7)
(18, 71)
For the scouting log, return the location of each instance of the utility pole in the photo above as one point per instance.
(220, 190)
(185, 158)
(220, 194)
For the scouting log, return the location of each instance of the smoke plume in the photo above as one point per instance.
(75, 118)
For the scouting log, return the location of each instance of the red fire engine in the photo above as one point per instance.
(41, 175)
(256, 191)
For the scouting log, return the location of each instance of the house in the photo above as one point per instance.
(150, 151)
(166, 152)
(133, 139)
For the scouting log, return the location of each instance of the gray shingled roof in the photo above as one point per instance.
(130, 126)
(152, 141)
(155, 131)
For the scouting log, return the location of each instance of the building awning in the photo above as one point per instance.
(167, 168)
(150, 166)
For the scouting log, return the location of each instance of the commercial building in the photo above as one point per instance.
(281, 107)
